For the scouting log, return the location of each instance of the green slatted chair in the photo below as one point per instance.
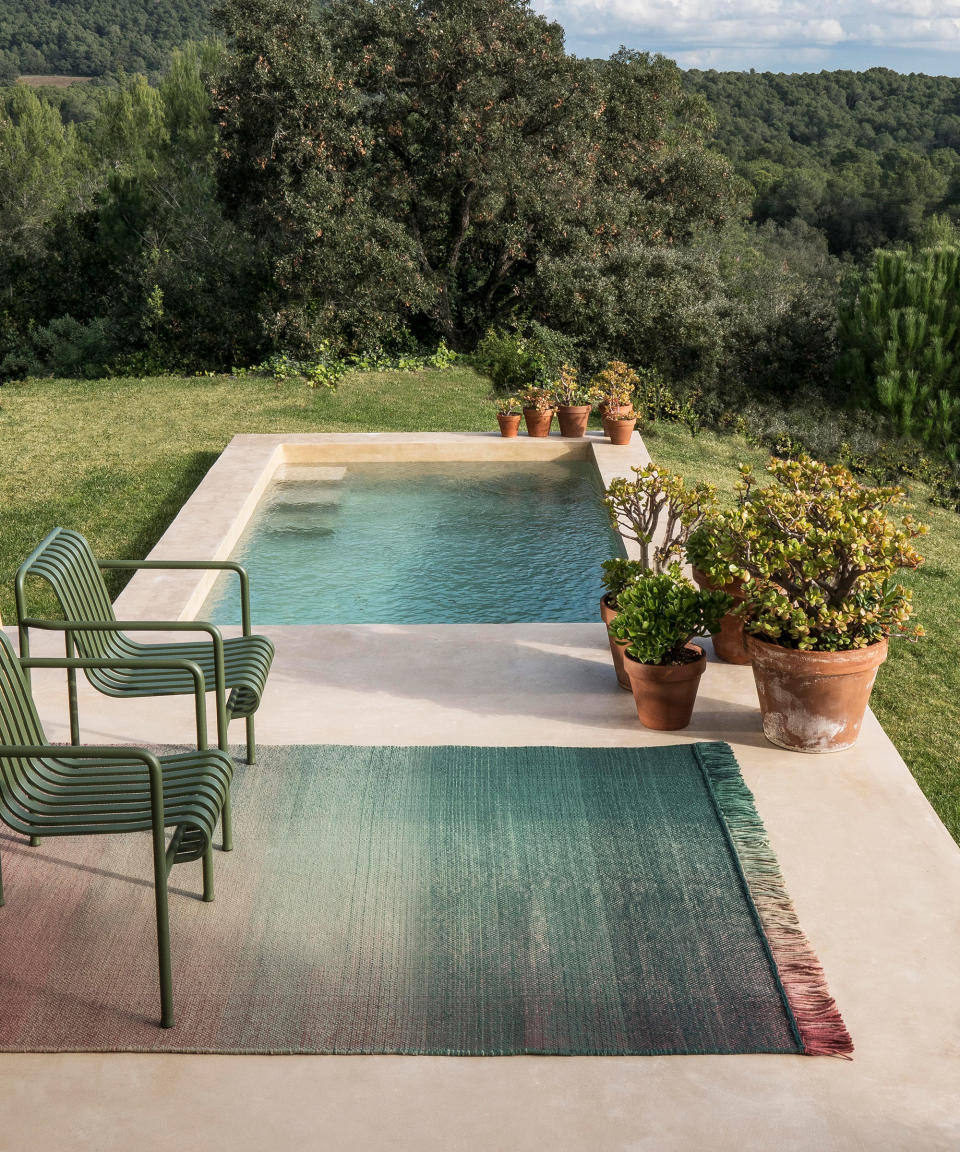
(240, 664)
(56, 790)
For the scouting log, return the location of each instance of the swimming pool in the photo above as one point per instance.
(423, 542)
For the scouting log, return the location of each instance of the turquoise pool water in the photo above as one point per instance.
(424, 543)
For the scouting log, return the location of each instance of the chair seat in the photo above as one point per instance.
(246, 663)
(67, 796)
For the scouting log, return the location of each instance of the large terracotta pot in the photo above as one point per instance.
(616, 650)
(538, 423)
(509, 423)
(619, 431)
(665, 693)
(573, 418)
(728, 643)
(813, 701)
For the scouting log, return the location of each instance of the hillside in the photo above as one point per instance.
(91, 37)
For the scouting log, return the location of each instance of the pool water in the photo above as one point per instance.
(420, 543)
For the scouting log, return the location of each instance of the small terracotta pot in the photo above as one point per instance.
(665, 693)
(616, 650)
(573, 418)
(728, 643)
(538, 423)
(619, 431)
(509, 423)
(813, 701)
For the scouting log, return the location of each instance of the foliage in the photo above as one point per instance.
(538, 399)
(516, 358)
(900, 332)
(568, 390)
(658, 511)
(659, 613)
(612, 389)
(618, 574)
(817, 552)
(508, 405)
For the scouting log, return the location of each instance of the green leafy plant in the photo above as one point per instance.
(538, 399)
(817, 552)
(619, 574)
(612, 389)
(508, 405)
(568, 389)
(657, 511)
(659, 613)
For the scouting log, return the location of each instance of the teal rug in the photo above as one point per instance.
(450, 900)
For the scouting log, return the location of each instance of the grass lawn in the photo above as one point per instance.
(917, 694)
(118, 458)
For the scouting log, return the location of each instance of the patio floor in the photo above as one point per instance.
(874, 876)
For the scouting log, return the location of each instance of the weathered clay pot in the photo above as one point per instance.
(728, 643)
(619, 431)
(538, 423)
(573, 418)
(616, 650)
(509, 423)
(665, 693)
(813, 701)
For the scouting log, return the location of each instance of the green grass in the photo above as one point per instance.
(118, 458)
(917, 694)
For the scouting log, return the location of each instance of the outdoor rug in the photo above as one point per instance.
(446, 900)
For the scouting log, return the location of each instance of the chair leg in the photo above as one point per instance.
(251, 741)
(1, 887)
(34, 841)
(208, 874)
(163, 927)
(226, 823)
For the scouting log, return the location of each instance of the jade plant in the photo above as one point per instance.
(818, 552)
(619, 574)
(538, 398)
(659, 512)
(508, 405)
(612, 389)
(661, 612)
(568, 390)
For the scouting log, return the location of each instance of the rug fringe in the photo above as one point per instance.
(820, 1026)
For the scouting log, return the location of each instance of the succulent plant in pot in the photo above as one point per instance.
(539, 405)
(613, 389)
(574, 402)
(508, 414)
(818, 552)
(710, 571)
(659, 614)
(618, 574)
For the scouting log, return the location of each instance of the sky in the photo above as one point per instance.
(769, 35)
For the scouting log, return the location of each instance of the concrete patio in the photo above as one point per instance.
(873, 873)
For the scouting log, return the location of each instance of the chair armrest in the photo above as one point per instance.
(199, 684)
(185, 565)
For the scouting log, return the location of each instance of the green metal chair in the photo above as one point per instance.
(241, 664)
(56, 790)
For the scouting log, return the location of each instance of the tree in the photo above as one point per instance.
(420, 163)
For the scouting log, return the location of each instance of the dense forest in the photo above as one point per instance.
(95, 37)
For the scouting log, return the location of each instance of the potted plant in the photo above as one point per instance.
(618, 574)
(817, 552)
(712, 573)
(613, 389)
(574, 402)
(539, 406)
(659, 614)
(508, 414)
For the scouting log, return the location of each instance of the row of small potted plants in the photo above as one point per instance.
(797, 579)
(610, 391)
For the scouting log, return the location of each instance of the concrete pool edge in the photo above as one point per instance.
(209, 524)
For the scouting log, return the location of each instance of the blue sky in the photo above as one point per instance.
(769, 35)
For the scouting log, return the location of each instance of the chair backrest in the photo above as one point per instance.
(19, 724)
(66, 561)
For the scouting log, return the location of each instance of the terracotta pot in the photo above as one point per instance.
(616, 650)
(626, 410)
(538, 423)
(573, 418)
(509, 423)
(728, 643)
(619, 431)
(813, 701)
(665, 693)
